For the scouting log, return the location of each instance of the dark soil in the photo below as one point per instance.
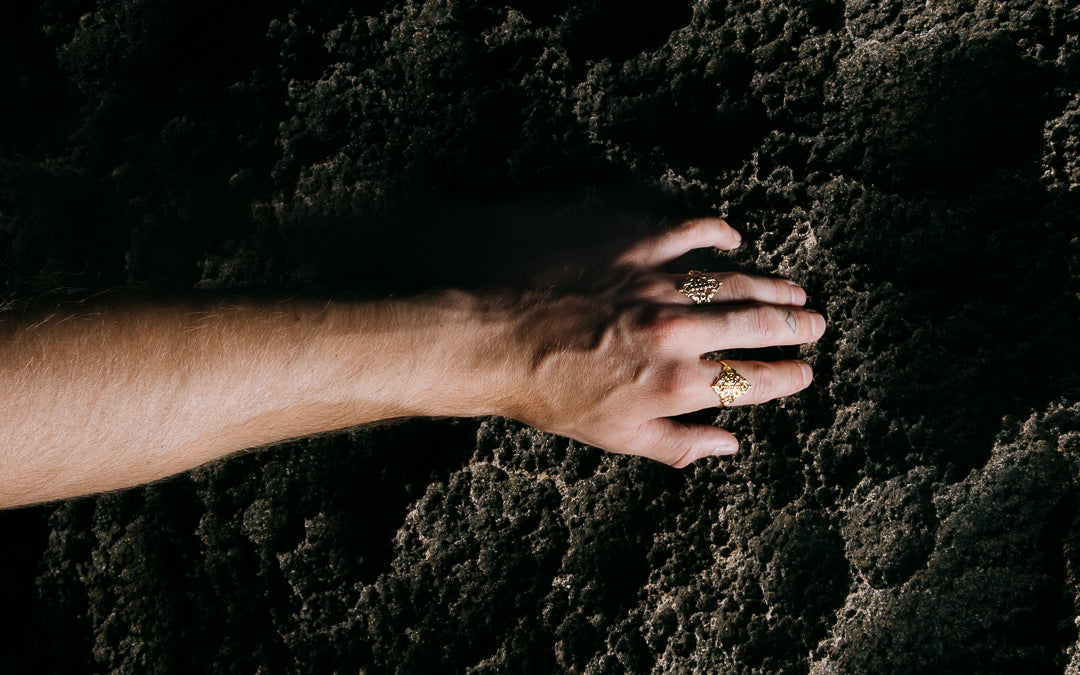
(914, 164)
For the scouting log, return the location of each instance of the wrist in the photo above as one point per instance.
(445, 354)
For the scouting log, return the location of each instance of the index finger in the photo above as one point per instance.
(658, 250)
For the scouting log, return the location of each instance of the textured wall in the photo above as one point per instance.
(914, 164)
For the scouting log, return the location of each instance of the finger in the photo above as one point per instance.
(737, 287)
(661, 249)
(768, 380)
(708, 328)
(678, 444)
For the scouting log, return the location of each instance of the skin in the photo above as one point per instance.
(600, 347)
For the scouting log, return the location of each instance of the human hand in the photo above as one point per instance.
(607, 350)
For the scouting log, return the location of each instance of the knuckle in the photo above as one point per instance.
(738, 285)
(676, 384)
(693, 229)
(682, 459)
(687, 449)
(627, 258)
(648, 438)
(694, 226)
(701, 229)
(677, 453)
(761, 323)
(658, 288)
(774, 380)
(778, 291)
(650, 320)
(648, 286)
(701, 225)
(665, 328)
(629, 254)
(765, 384)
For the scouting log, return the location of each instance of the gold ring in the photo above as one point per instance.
(699, 287)
(729, 385)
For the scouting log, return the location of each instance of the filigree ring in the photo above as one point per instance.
(729, 385)
(699, 287)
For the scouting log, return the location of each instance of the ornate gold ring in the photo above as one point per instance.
(729, 385)
(699, 287)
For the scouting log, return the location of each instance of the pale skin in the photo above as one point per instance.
(601, 348)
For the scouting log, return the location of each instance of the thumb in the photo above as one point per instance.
(679, 444)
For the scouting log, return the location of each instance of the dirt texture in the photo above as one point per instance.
(915, 164)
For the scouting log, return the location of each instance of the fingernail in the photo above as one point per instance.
(807, 374)
(817, 324)
(798, 295)
(738, 238)
(728, 449)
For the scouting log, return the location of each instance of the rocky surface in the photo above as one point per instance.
(915, 165)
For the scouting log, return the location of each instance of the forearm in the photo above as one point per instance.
(125, 393)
